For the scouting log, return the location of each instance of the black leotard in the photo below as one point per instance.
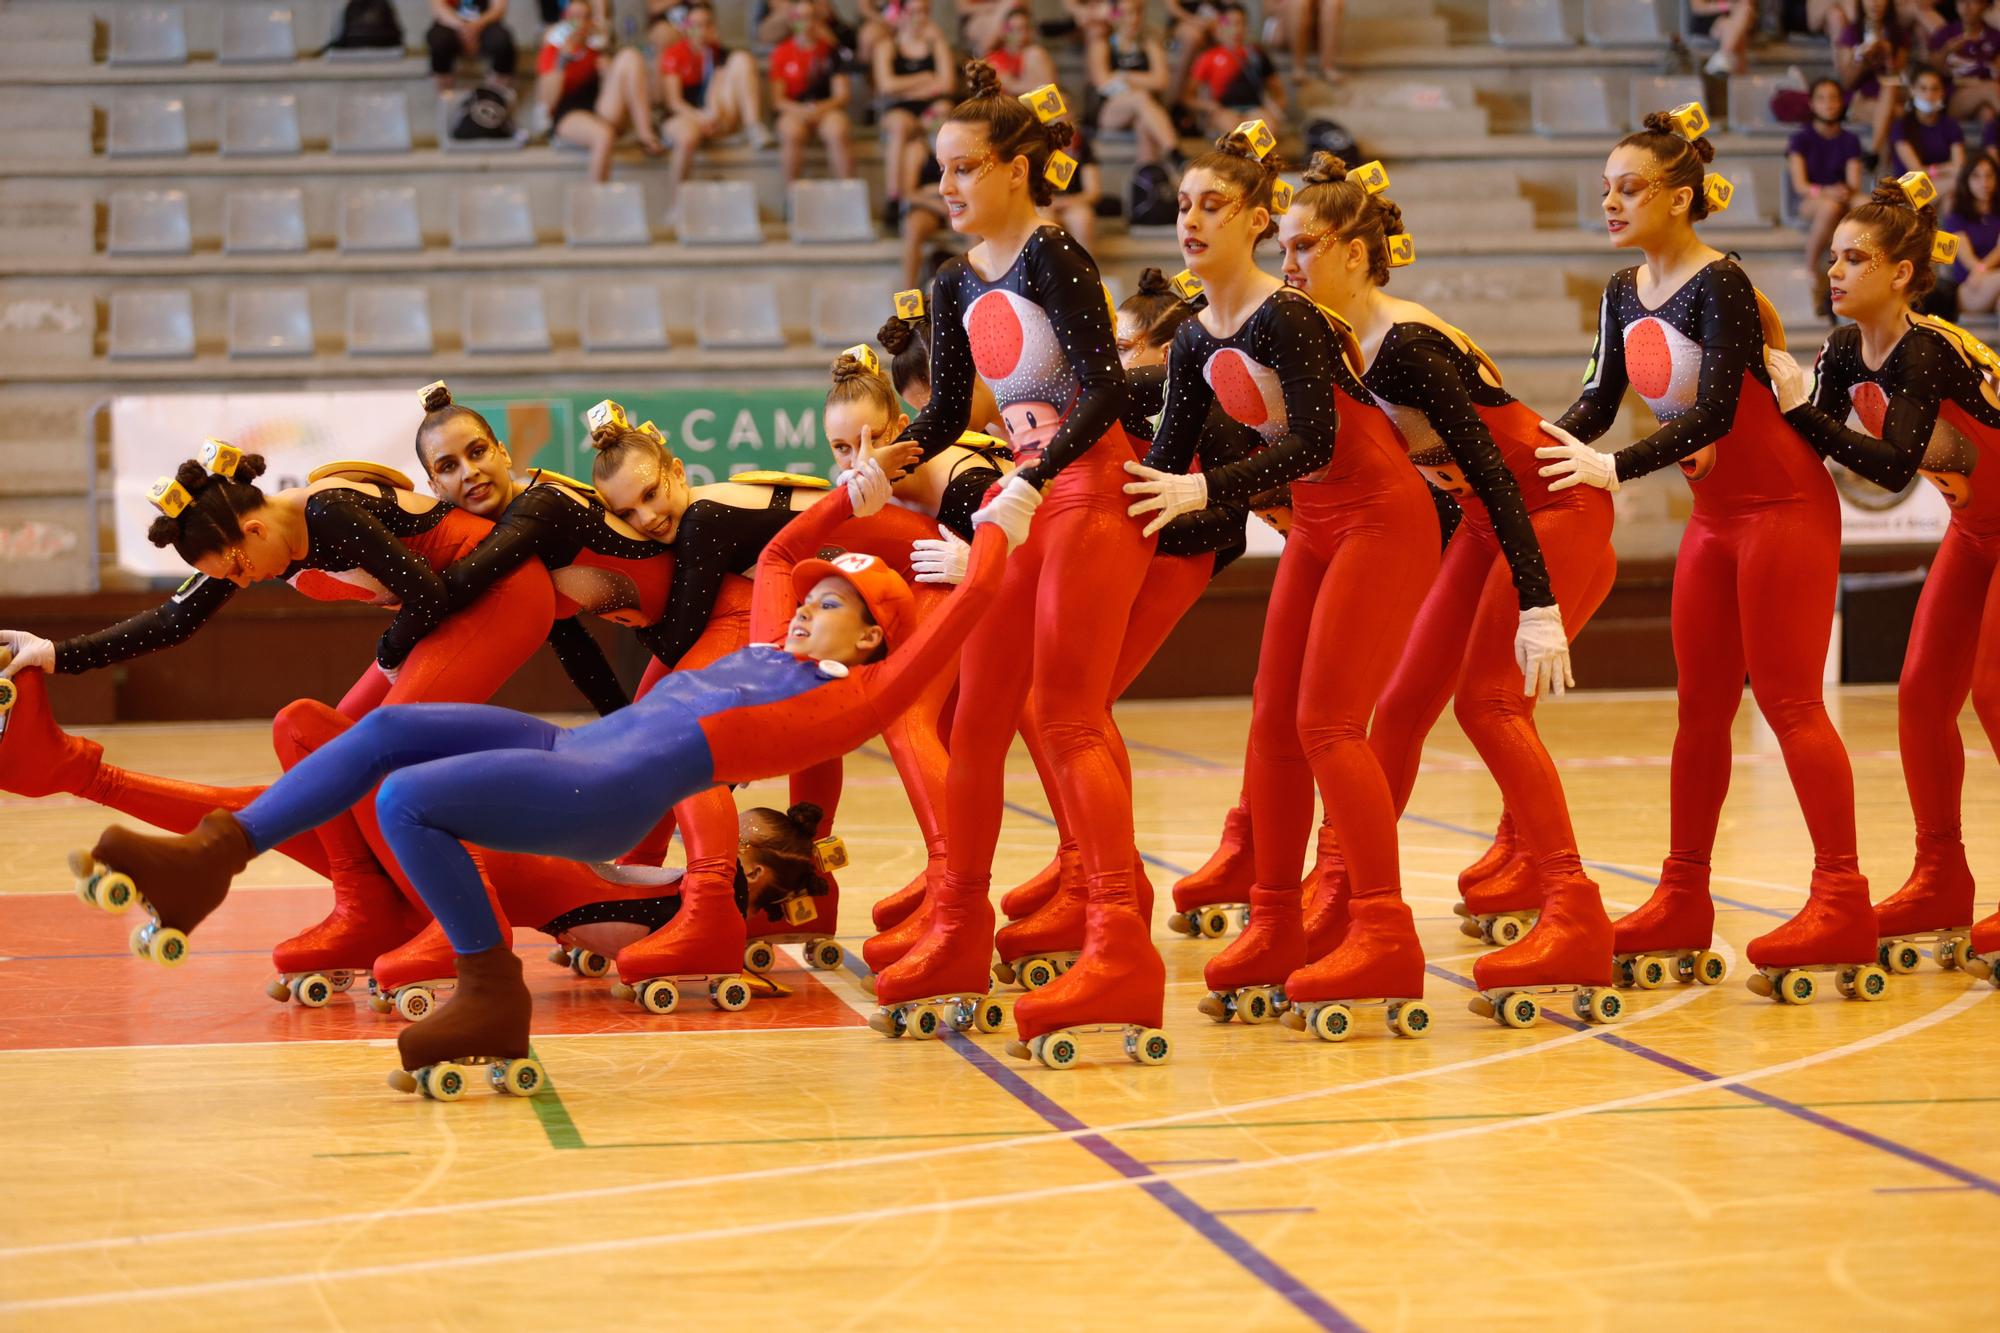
(714, 539)
(1220, 527)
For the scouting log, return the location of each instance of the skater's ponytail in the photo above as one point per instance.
(203, 505)
(908, 344)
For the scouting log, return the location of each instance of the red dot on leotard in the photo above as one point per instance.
(994, 328)
(1649, 358)
(1236, 387)
(1870, 405)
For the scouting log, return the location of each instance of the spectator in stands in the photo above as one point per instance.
(556, 29)
(1074, 208)
(809, 92)
(709, 92)
(589, 108)
(1193, 33)
(1869, 55)
(1314, 29)
(1235, 80)
(1975, 275)
(980, 22)
(461, 28)
(923, 208)
(1732, 23)
(1128, 82)
(1824, 160)
(1968, 49)
(915, 76)
(1925, 138)
(1024, 64)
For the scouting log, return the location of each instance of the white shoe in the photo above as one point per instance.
(1718, 65)
(760, 134)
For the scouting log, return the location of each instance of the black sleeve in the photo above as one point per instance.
(714, 539)
(1732, 345)
(345, 535)
(1604, 380)
(1068, 289)
(532, 527)
(1145, 399)
(1188, 402)
(1422, 371)
(1293, 338)
(944, 417)
(585, 665)
(963, 494)
(1907, 420)
(163, 626)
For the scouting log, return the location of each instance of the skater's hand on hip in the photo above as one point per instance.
(868, 487)
(1013, 510)
(941, 559)
(20, 650)
(1576, 462)
(1788, 380)
(1541, 650)
(1171, 494)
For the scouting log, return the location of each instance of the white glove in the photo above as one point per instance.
(1013, 509)
(20, 650)
(1541, 650)
(1579, 462)
(868, 487)
(1787, 378)
(940, 559)
(1170, 493)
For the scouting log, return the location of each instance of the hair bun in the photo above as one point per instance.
(805, 816)
(896, 335)
(1325, 169)
(434, 396)
(1152, 282)
(1662, 122)
(164, 531)
(1061, 133)
(981, 80)
(1889, 191)
(250, 467)
(192, 475)
(848, 366)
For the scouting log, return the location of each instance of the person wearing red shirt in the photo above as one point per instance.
(1023, 62)
(1233, 80)
(709, 92)
(809, 91)
(589, 105)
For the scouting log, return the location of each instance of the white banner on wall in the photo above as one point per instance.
(151, 434)
(1871, 516)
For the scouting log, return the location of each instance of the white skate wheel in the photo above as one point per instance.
(759, 956)
(730, 994)
(1056, 1050)
(518, 1078)
(1147, 1046)
(1870, 983)
(588, 965)
(1797, 988)
(824, 955)
(313, 991)
(413, 1002)
(1709, 968)
(1410, 1020)
(1519, 1011)
(443, 1083)
(988, 1016)
(1037, 973)
(659, 996)
(1332, 1022)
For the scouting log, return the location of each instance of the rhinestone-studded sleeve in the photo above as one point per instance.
(1906, 394)
(1604, 379)
(1188, 401)
(1063, 280)
(1291, 336)
(163, 626)
(346, 532)
(714, 539)
(944, 417)
(1716, 310)
(534, 526)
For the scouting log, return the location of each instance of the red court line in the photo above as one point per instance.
(67, 981)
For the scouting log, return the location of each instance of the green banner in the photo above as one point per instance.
(715, 432)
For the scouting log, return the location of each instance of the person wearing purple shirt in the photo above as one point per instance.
(1976, 223)
(1924, 138)
(1870, 50)
(1968, 49)
(1824, 160)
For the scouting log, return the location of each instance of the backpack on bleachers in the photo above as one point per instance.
(482, 113)
(1154, 197)
(368, 24)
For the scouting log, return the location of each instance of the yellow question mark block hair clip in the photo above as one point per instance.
(1370, 176)
(1060, 169)
(1281, 196)
(910, 305)
(865, 354)
(829, 854)
(169, 497)
(1186, 285)
(1917, 188)
(219, 458)
(659, 436)
(1262, 141)
(1047, 103)
(1944, 248)
(1689, 120)
(1718, 191)
(434, 395)
(606, 415)
(1402, 249)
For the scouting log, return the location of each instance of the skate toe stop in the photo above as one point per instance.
(1019, 1050)
(402, 1080)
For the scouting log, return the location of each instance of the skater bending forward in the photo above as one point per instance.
(834, 657)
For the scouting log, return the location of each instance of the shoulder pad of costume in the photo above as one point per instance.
(583, 488)
(798, 479)
(360, 469)
(1976, 353)
(1774, 328)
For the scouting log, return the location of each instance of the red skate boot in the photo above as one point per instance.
(806, 919)
(1497, 854)
(1985, 946)
(1669, 934)
(1379, 961)
(1933, 907)
(370, 917)
(1118, 981)
(947, 975)
(1203, 900)
(702, 944)
(1567, 953)
(37, 757)
(901, 904)
(1043, 946)
(486, 1023)
(1028, 897)
(1834, 932)
(1502, 908)
(1326, 898)
(406, 980)
(179, 880)
(880, 951)
(1246, 981)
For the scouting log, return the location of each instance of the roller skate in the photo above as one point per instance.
(486, 1024)
(370, 917)
(903, 903)
(1568, 952)
(1037, 950)
(178, 880)
(585, 963)
(1117, 984)
(1668, 935)
(1503, 908)
(1378, 962)
(406, 980)
(1984, 947)
(1933, 907)
(37, 757)
(809, 920)
(1246, 981)
(946, 977)
(1506, 842)
(701, 945)
(1834, 932)
(1028, 897)
(1205, 900)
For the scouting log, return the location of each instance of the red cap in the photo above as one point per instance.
(888, 598)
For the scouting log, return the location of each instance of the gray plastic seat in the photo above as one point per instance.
(1622, 23)
(152, 325)
(846, 311)
(1750, 103)
(41, 38)
(148, 222)
(1527, 23)
(389, 321)
(609, 214)
(623, 318)
(146, 125)
(264, 222)
(260, 125)
(830, 212)
(739, 314)
(379, 218)
(371, 123)
(1658, 92)
(1746, 203)
(504, 317)
(257, 35)
(147, 35)
(270, 321)
(1573, 104)
(718, 213)
(491, 217)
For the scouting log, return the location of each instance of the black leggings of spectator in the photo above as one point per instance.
(496, 47)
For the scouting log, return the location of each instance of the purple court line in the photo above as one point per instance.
(1968, 1179)
(1262, 1212)
(1922, 1189)
(1195, 1161)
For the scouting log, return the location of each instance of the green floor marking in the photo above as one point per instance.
(554, 1116)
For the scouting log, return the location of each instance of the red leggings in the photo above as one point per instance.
(1056, 628)
(1362, 549)
(1954, 652)
(1462, 647)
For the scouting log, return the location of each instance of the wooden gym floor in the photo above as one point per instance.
(185, 1154)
